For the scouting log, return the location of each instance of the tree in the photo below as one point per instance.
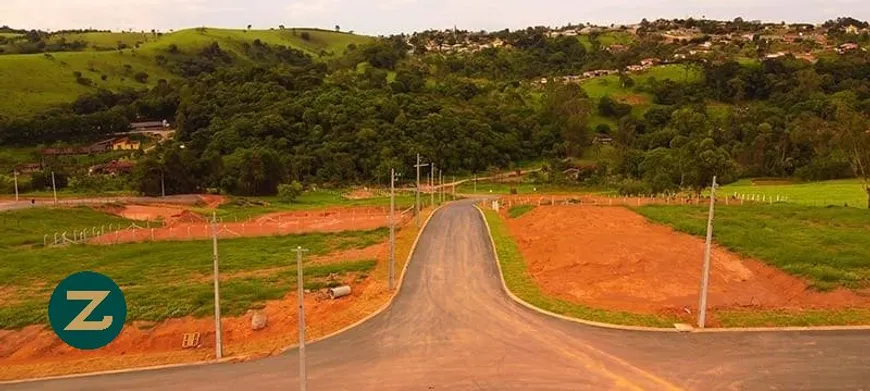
(337, 28)
(287, 192)
(305, 35)
(249, 27)
(853, 137)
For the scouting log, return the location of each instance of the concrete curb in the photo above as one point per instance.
(245, 358)
(643, 328)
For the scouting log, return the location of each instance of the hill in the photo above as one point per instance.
(35, 82)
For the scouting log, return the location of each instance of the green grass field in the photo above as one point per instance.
(827, 246)
(838, 192)
(172, 279)
(35, 82)
(521, 283)
(243, 208)
(24, 228)
(487, 187)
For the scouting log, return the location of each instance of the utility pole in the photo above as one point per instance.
(440, 187)
(300, 297)
(53, 188)
(705, 276)
(453, 188)
(475, 183)
(432, 185)
(418, 165)
(392, 225)
(218, 345)
(162, 184)
(15, 175)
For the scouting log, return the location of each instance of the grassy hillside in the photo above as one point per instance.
(837, 192)
(35, 82)
(600, 87)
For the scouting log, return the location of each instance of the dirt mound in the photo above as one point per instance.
(186, 216)
(212, 201)
(150, 212)
(613, 258)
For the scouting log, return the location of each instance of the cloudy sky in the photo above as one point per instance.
(394, 16)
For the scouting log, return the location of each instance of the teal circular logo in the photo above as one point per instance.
(87, 310)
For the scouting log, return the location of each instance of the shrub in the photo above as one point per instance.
(305, 35)
(632, 187)
(287, 193)
(141, 77)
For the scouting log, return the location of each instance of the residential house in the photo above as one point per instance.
(27, 168)
(852, 29)
(149, 125)
(125, 144)
(616, 48)
(112, 168)
(847, 47)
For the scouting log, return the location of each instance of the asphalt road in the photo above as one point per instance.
(453, 328)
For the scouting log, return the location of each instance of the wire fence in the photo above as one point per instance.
(194, 227)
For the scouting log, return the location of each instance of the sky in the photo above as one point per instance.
(384, 17)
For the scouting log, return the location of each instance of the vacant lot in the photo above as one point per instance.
(610, 258)
(520, 279)
(839, 192)
(171, 279)
(827, 246)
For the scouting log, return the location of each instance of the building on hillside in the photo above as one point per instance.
(602, 138)
(616, 48)
(648, 62)
(112, 168)
(149, 125)
(847, 47)
(27, 168)
(852, 29)
(125, 144)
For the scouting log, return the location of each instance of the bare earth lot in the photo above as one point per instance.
(612, 258)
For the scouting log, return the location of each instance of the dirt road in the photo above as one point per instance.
(453, 328)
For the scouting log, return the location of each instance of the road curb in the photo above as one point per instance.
(247, 357)
(649, 329)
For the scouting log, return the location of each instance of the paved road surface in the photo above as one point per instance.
(452, 328)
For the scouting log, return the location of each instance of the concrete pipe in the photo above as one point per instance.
(339, 291)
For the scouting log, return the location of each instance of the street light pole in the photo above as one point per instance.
(15, 175)
(217, 295)
(300, 297)
(53, 188)
(418, 165)
(705, 276)
(392, 225)
(432, 185)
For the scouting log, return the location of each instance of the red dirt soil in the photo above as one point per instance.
(613, 258)
(181, 224)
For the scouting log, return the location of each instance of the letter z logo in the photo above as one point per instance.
(79, 323)
(87, 310)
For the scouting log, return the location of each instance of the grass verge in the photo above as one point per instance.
(519, 210)
(520, 282)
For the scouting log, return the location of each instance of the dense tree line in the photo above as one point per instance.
(246, 126)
